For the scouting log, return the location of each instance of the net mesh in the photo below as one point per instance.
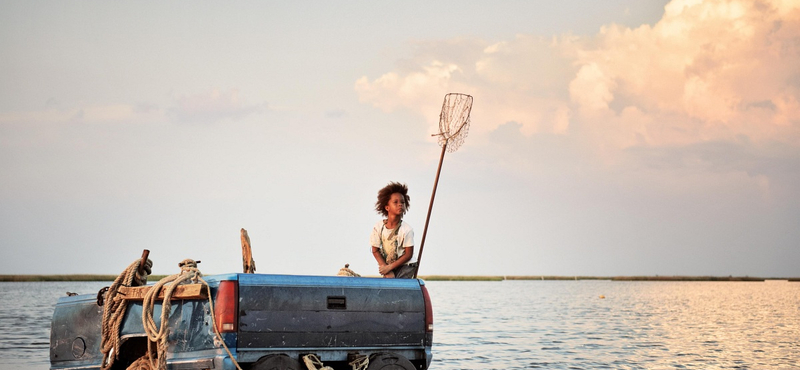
(454, 120)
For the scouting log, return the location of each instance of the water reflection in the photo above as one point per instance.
(565, 324)
(25, 313)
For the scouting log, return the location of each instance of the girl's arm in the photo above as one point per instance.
(379, 258)
(408, 253)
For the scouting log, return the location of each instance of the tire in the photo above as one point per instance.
(389, 361)
(276, 362)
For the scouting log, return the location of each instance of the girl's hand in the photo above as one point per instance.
(385, 270)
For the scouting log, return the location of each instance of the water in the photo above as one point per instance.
(25, 312)
(638, 325)
(537, 324)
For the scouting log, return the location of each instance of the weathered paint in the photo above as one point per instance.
(330, 316)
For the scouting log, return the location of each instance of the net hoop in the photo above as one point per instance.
(454, 120)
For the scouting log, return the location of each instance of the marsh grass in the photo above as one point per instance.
(460, 278)
(75, 277)
(155, 278)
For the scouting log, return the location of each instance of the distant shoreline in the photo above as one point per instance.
(154, 278)
(610, 278)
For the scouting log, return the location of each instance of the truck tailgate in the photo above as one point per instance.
(290, 311)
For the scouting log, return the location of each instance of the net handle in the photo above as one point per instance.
(430, 208)
(444, 142)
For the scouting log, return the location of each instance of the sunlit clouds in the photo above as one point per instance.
(419, 89)
(710, 70)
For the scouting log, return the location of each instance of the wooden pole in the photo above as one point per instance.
(430, 208)
(248, 264)
(145, 255)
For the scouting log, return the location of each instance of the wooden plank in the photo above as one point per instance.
(248, 263)
(184, 291)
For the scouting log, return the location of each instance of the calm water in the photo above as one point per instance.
(538, 324)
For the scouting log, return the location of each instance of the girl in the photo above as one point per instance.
(392, 239)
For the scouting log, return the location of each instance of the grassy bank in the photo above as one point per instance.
(76, 277)
(611, 278)
(154, 278)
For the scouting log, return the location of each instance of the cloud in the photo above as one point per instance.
(520, 81)
(204, 107)
(212, 106)
(708, 70)
(420, 89)
(87, 113)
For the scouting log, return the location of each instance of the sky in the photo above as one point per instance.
(613, 138)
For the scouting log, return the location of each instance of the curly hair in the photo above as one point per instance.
(386, 193)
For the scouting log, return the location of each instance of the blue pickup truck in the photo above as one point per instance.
(267, 322)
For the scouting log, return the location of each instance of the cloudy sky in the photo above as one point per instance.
(620, 137)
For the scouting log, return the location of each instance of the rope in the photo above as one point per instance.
(346, 271)
(159, 335)
(360, 363)
(142, 363)
(313, 363)
(114, 307)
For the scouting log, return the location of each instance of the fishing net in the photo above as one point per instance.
(454, 120)
(453, 129)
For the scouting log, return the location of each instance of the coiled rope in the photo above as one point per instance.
(160, 334)
(346, 271)
(114, 310)
(360, 363)
(157, 335)
(313, 362)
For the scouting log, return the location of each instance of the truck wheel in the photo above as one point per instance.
(389, 361)
(276, 362)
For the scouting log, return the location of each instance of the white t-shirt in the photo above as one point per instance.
(381, 238)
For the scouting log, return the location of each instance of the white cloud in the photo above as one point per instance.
(421, 89)
(592, 89)
(212, 106)
(710, 62)
(204, 107)
(91, 114)
(708, 70)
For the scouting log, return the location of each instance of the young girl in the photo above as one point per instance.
(392, 239)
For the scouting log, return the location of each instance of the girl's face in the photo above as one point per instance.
(396, 205)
